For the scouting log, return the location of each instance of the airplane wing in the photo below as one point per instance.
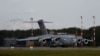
(29, 38)
(35, 38)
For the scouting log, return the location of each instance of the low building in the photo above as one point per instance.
(10, 42)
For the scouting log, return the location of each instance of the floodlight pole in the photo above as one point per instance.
(94, 30)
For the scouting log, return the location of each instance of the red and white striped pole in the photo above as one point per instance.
(81, 30)
(94, 29)
(81, 26)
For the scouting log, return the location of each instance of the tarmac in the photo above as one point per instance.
(49, 48)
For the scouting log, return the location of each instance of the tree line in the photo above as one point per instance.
(87, 33)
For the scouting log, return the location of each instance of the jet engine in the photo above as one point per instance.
(43, 41)
(85, 41)
(79, 41)
(55, 39)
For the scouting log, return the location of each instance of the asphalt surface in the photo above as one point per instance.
(49, 48)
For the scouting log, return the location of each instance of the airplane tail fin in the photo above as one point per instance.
(42, 26)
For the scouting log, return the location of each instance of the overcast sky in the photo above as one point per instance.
(63, 13)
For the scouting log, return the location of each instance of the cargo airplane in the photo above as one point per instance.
(51, 40)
